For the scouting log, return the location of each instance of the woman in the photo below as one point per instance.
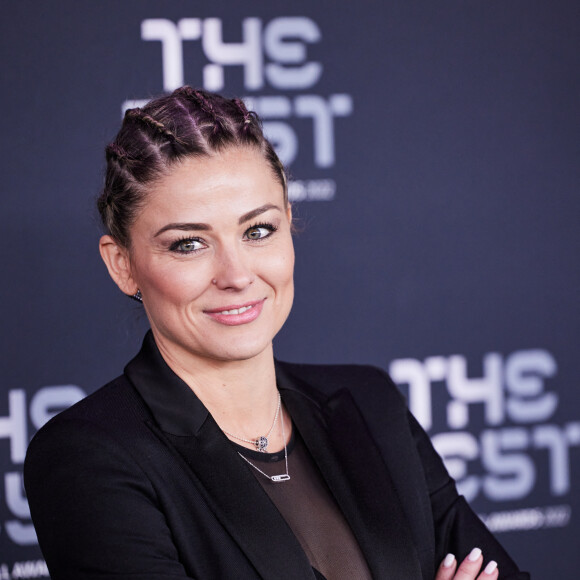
(207, 459)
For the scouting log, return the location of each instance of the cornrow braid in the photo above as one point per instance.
(193, 123)
(138, 115)
(114, 151)
(244, 111)
(205, 104)
(208, 108)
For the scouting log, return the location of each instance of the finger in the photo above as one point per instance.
(490, 572)
(447, 568)
(470, 567)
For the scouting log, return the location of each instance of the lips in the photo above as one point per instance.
(233, 315)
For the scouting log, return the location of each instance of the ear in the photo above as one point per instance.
(117, 260)
(289, 212)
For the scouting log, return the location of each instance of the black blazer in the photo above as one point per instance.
(137, 481)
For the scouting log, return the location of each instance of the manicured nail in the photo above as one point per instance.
(474, 555)
(448, 562)
(490, 568)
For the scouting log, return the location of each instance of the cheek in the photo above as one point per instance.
(175, 283)
(282, 268)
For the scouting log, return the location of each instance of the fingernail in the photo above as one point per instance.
(490, 568)
(474, 555)
(448, 562)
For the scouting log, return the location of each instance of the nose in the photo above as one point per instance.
(233, 269)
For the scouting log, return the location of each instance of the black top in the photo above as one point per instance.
(309, 509)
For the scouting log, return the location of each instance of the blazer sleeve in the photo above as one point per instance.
(95, 512)
(457, 527)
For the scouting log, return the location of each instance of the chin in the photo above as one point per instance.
(241, 352)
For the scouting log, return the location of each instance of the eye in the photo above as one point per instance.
(260, 231)
(187, 245)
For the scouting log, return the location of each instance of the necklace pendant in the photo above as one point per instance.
(262, 444)
(277, 478)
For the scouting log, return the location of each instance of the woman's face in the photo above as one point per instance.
(212, 254)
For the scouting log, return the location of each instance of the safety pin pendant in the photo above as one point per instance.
(277, 478)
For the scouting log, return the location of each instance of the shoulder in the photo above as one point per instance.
(342, 373)
(364, 382)
(113, 412)
(116, 398)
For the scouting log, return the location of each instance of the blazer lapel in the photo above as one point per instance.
(224, 481)
(241, 505)
(338, 439)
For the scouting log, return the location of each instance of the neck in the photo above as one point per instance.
(241, 395)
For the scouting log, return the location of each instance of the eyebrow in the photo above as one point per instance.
(256, 212)
(201, 227)
(184, 227)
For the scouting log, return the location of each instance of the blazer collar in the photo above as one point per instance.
(174, 405)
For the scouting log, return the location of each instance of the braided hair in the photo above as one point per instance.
(188, 122)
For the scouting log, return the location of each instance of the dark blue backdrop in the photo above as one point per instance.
(434, 147)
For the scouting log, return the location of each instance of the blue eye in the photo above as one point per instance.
(186, 246)
(260, 231)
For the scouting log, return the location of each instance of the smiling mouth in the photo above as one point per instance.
(236, 310)
(234, 314)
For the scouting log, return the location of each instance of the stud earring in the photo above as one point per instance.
(137, 296)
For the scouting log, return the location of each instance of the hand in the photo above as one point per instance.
(469, 568)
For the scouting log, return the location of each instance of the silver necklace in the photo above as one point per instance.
(261, 442)
(274, 478)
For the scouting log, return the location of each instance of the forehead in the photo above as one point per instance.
(230, 182)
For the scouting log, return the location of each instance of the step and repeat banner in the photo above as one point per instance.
(434, 148)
